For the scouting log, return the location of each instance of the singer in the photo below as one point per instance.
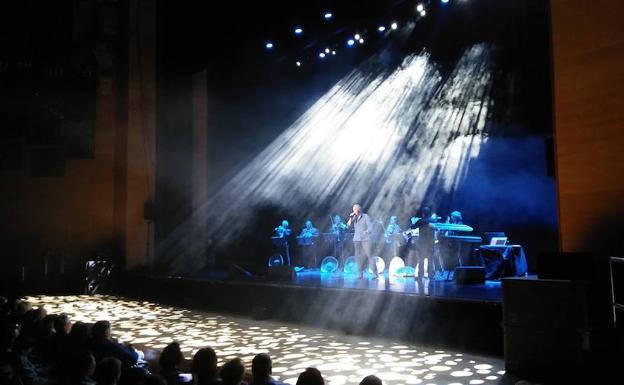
(361, 224)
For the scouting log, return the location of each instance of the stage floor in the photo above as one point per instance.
(490, 291)
(342, 359)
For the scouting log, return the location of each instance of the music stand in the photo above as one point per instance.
(282, 242)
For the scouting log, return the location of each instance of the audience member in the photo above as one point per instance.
(170, 360)
(262, 368)
(204, 367)
(108, 371)
(371, 380)
(310, 376)
(105, 346)
(232, 372)
(82, 368)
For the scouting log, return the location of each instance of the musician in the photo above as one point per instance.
(392, 229)
(307, 241)
(338, 227)
(284, 231)
(456, 219)
(426, 241)
(362, 226)
(309, 230)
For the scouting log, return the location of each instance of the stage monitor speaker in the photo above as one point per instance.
(281, 273)
(469, 275)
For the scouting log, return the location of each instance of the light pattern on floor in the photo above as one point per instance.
(342, 359)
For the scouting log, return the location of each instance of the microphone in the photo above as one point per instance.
(351, 215)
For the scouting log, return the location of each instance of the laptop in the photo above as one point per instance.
(498, 241)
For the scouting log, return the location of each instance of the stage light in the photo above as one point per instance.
(379, 263)
(298, 63)
(275, 260)
(444, 1)
(420, 8)
(394, 25)
(322, 55)
(423, 13)
(381, 28)
(326, 50)
(361, 41)
(268, 45)
(350, 42)
(350, 265)
(328, 15)
(395, 264)
(298, 31)
(329, 264)
(357, 36)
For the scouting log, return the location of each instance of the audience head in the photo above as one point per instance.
(310, 376)
(101, 331)
(108, 371)
(371, 380)
(171, 357)
(62, 325)
(232, 372)
(261, 366)
(204, 364)
(83, 365)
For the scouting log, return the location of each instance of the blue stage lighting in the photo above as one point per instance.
(329, 264)
(445, 1)
(381, 28)
(268, 45)
(322, 55)
(298, 31)
(328, 15)
(350, 42)
(350, 265)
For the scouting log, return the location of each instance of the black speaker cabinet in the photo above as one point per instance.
(469, 275)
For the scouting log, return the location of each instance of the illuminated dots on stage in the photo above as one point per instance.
(423, 13)
(298, 30)
(461, 373)
(420, 7)
(268, 45)
(381, 28)
(357, 36)
(361, 41)
(350, 42)
(328, 15)
(322, 55)
(394, 26)
(326, 50)
(298, 63)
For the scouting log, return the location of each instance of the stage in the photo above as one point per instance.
(431, 312)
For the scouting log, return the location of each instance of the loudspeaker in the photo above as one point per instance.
(281, 273)
(469, 275)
